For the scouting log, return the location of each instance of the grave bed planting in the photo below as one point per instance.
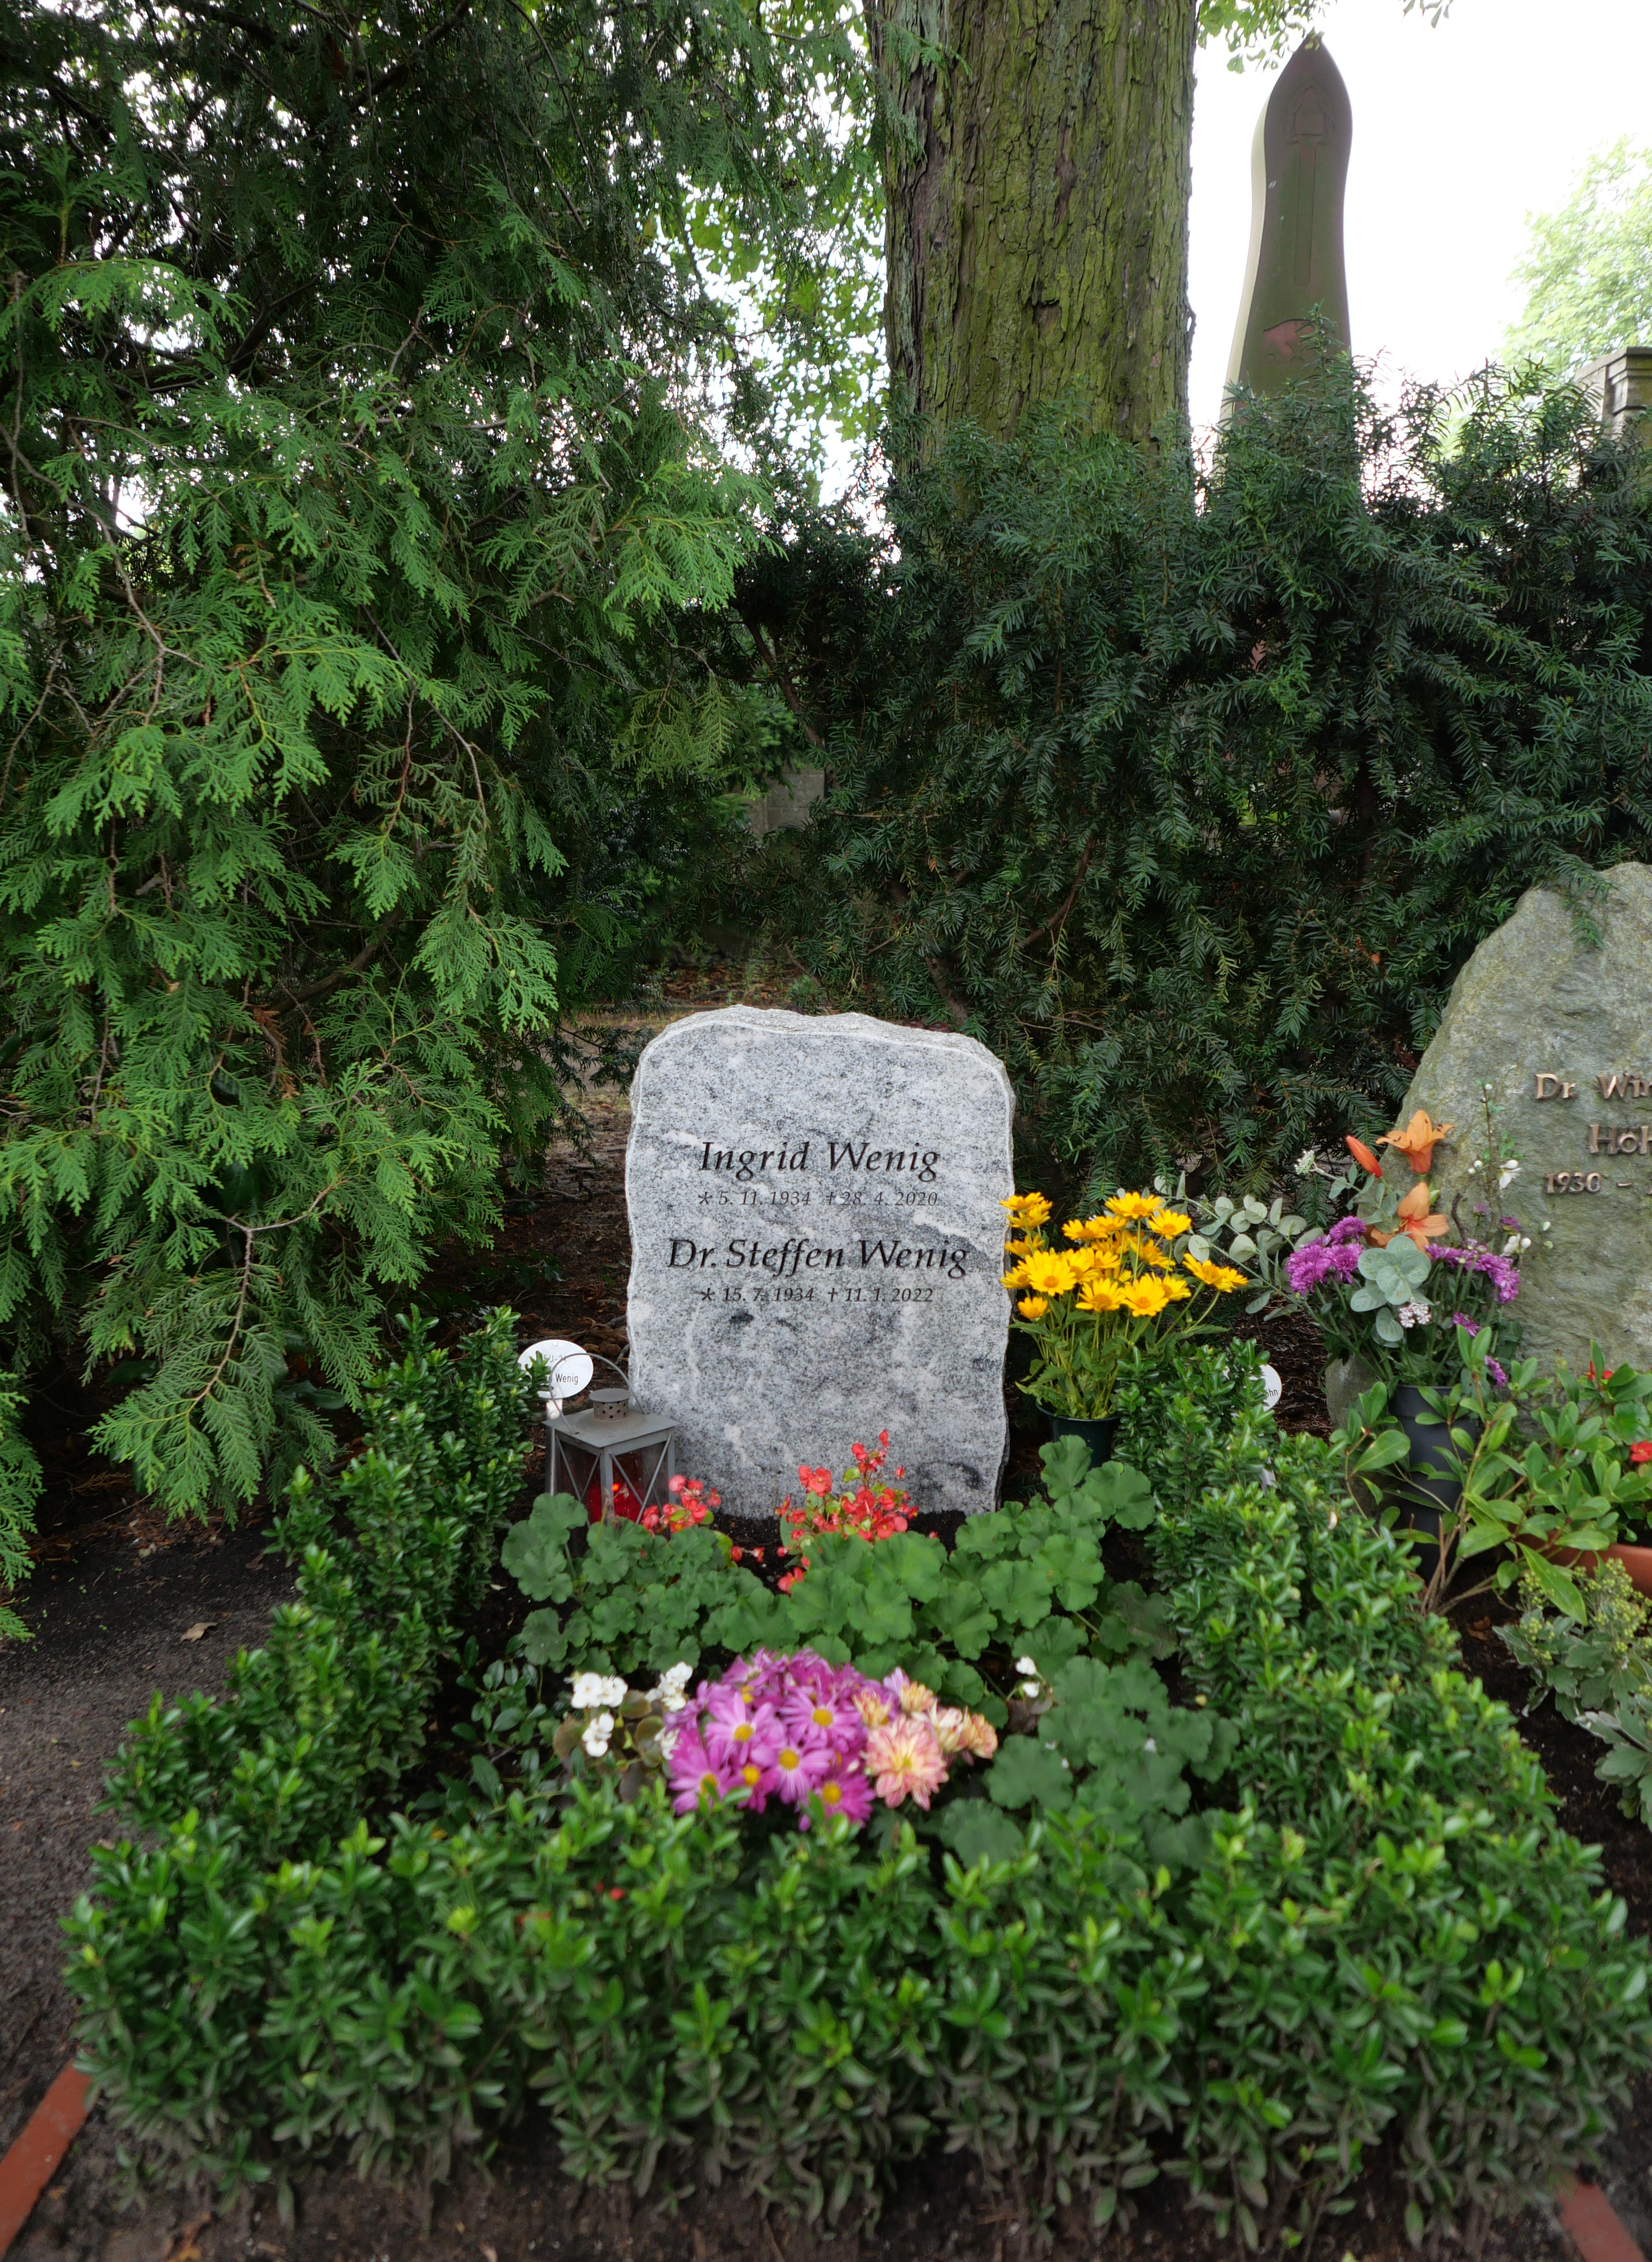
(1323, 1901)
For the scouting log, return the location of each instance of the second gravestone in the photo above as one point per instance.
(1556, 1033)
(816, 1250)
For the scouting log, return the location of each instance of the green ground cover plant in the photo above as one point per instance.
(1378, 1933)
(1595, 1662)
(1026, 1579)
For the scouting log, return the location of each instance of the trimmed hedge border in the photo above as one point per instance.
(1390, 1935)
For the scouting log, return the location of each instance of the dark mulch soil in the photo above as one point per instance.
(115, 1596)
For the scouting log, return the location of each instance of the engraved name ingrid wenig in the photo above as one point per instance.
(804, 1255)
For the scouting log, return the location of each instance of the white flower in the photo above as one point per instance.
(1307, 1163)
(1517, 1245)
(1151, 1747)
(667, 1691)
(594, 1689)
(1029, 1689)
(1416, 1314)
(1025, 1665)
(1506, 1176)
(597, 1733)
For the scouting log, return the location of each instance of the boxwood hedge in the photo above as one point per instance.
(1389, 1938)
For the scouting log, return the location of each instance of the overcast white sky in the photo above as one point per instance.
(1458, 134)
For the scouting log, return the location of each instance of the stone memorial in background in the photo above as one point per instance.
(1562, 1033)
(817, 1249)
(1299, 170)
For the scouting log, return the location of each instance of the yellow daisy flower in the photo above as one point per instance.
(1149, 1252)
(1146, 1299)
(1216, 1276)
(1131, 1206)
(1048, 1272)
(1017, 1277)
(1033, 1308)
(1028, 1209)
(1170, 1222)
(1098, 1295)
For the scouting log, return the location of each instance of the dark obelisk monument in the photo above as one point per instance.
(1299, 168)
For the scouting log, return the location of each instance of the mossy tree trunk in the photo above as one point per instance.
(1038, 185)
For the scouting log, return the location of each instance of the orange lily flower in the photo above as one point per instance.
(1420, 1225)
(1363, 1156)
(1417, 1141)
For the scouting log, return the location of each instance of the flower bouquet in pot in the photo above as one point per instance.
(1390, 1291)
(1110, 1303)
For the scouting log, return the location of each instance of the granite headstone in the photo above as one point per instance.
(1299, 170)
(1560, 1030)
(817, 1248)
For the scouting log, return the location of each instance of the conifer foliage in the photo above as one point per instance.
(1190, 788)
(350, 487)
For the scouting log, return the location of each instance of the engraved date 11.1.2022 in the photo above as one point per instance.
(1615, 1141)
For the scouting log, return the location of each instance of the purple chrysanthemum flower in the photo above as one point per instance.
(1310, 1268)
(1503, 1276)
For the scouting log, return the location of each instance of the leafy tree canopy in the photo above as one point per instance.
(1254, 28)
(1587, 267)
(354, 502)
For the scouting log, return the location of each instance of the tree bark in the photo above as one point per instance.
(1037, 192)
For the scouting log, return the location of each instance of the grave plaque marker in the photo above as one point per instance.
(1563, 1033)
(816, 1250)
(1299, 170)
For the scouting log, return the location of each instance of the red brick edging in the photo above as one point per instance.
(29, 2166)
(1590, 2222)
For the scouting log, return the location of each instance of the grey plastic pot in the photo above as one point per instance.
(1347, 1379)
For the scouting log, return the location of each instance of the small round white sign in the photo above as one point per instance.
(1273, 1387)
(568, 1368)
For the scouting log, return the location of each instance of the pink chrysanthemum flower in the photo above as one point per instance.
(844, 1792)
(796, 1769)
(904, 1762)
(979, 1737)
(824, 1716)
(754, 1782)
(734, 1732)
(692, 1775)
(911, 1696)
(947, 1720)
